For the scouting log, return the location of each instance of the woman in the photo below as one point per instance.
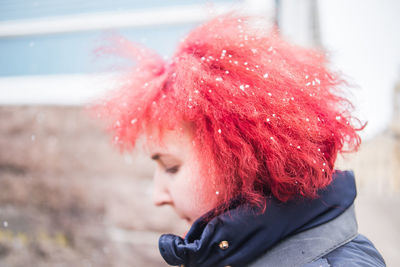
(245, 129)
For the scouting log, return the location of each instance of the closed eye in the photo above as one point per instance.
(173, 169)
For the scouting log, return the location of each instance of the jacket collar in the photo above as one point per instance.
(307, 247)
(241, 235)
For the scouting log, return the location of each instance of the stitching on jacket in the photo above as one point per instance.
(347, 240)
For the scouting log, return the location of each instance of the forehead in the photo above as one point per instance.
(174, 142)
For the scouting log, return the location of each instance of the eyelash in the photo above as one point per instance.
(174, 169)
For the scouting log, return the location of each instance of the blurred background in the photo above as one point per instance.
(68, 198)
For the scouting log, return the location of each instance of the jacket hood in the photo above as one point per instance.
(246, 234)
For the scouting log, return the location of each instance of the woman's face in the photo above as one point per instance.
(177, 179)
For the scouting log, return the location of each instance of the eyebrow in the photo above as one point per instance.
(159, 156)
(156, 156)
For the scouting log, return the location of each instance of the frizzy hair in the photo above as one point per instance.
(268, 117)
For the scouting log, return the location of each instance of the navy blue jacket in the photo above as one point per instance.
(281, 235)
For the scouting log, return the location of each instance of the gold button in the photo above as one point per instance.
(224, 245)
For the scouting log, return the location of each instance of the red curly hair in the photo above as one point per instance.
(268, 117)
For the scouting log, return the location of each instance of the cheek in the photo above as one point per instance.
(183, 190)
(192, 197)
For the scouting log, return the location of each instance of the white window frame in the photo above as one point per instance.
(78, 89)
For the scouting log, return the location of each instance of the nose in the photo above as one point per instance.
(161, 195)
(161, 198)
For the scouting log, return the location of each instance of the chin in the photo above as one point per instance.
(188, 220)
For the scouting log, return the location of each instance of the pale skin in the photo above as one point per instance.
(176, 178)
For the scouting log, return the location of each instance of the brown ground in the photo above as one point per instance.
(67, 198)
